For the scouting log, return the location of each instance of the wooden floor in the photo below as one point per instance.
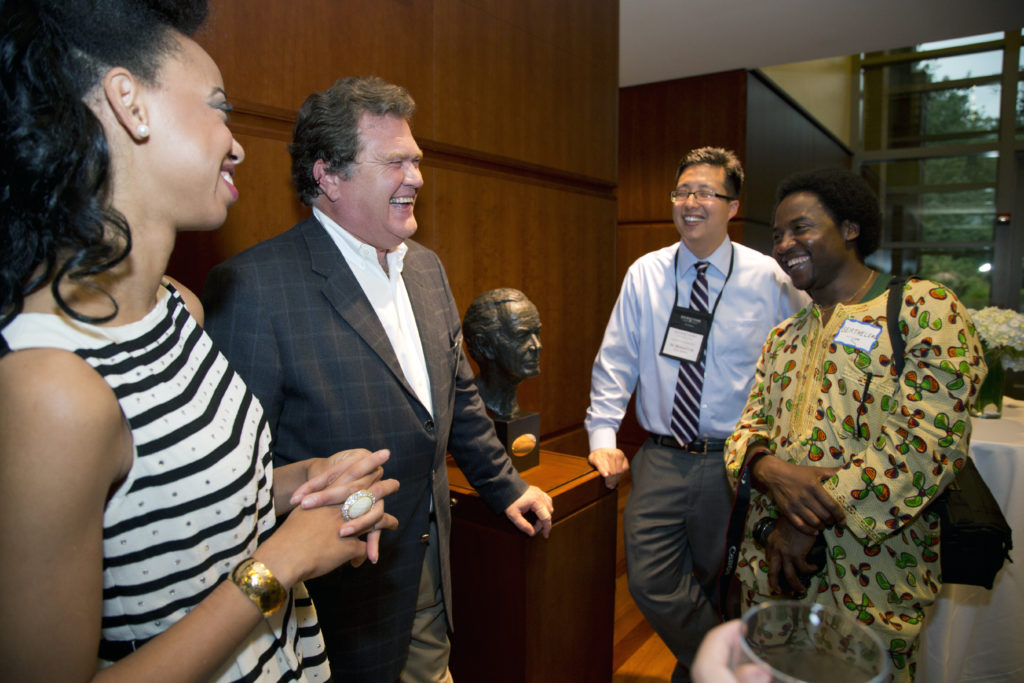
(639, 655)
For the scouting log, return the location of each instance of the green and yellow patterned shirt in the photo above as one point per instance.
(822, 401)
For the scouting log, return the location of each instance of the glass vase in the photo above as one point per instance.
(989, 401)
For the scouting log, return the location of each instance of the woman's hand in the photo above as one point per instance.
(327, 479)
(330, 481)
(313, 541)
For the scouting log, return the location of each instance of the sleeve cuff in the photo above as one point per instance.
(602, 437)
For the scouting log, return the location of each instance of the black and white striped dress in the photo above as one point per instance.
(198, 498)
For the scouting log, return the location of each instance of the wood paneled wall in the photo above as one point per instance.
(517, 113)
(782, 138)
(738, 110)
(659, 123)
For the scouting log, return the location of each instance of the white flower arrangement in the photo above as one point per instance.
(1002, 332)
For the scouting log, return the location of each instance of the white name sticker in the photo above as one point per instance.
(682, 344)
(858, 334)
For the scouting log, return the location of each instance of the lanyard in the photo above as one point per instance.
(688, 330)
(675, 274)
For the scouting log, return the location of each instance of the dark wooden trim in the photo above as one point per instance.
(259, 120)
(443, 155)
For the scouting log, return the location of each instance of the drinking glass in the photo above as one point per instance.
(797, 642)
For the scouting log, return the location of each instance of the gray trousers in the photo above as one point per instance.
(674, 526)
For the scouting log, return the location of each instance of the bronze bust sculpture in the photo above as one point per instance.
(502, 332)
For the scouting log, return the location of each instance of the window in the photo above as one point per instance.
(941, 138)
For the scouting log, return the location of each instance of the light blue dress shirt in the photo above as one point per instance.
(757, 297)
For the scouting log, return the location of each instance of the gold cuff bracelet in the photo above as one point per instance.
(259, 585)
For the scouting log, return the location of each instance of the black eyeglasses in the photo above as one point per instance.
(680, 196)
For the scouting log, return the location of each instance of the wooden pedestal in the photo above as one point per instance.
(535, 610)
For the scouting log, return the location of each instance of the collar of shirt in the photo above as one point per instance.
(687, 273)
(629, 360)
(360, 254)
(389, 298)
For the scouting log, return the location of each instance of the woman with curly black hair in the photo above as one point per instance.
(139, 537)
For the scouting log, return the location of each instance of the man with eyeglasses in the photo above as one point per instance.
(686, 333)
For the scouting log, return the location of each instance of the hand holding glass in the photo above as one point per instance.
(806, 643)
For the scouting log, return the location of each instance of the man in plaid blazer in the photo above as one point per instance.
(348, 333)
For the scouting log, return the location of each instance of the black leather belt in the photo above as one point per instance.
(702, 447)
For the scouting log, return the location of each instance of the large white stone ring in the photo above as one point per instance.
(357, 505)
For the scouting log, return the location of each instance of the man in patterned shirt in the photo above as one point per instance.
(836, 442)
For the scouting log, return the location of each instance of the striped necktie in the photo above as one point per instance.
(686, 404)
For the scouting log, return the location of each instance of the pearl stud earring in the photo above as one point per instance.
(142, 131)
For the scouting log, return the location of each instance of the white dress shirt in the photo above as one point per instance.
(390, 300)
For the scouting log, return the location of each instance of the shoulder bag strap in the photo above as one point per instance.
(892, 321)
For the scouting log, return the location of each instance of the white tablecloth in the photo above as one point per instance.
(972, 634)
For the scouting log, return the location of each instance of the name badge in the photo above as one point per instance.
(686, 334)
(858, 334)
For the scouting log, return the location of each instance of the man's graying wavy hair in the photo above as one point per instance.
(327, 126)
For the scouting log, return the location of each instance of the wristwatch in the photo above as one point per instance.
(762, 530)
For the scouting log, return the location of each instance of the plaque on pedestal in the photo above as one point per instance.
(520, 437)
